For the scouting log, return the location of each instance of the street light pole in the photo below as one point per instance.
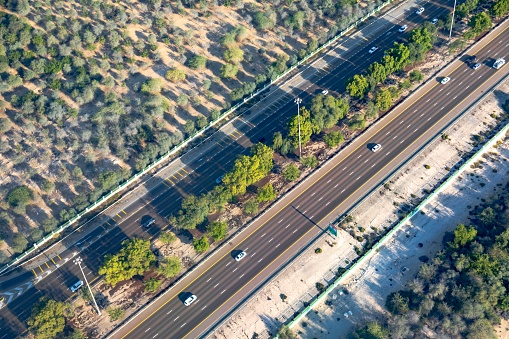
(298, 102)
(452, 19)
(78, 261)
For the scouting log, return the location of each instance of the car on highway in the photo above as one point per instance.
(191, 299)
(325, 92)
(218, 180)
(240, 256)
(76, 286)
(434, 21)
(404, 269)
(375, 147)
(420, 10)
(499, 63)
(373, 49)
(346, 314)
(150, 221)
(445, 80)
(402, 28)
(476, 66)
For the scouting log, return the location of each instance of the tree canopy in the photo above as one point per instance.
(48, 318)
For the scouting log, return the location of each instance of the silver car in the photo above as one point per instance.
(476, 66)
(191, 299)
(373, 49)
(240, 256)
(445, 80)
(375, 147)
(402, 28)
(420, 10)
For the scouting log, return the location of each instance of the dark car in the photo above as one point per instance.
(148, 222)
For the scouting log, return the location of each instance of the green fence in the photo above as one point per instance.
(184, 144)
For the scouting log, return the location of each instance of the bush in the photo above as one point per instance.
(233, 55)
(176, 75)
(310, 161)
(291, 172)
(318, 250)
(169, 267)
(152, 285)
(334, 138)
(19, 243)
(251, 207)
(217, 230)
(266, 193)
(20, 196)
(416, 76)
(115, 313)
(152, 86)
(197, 62)
(167, 237)
(201, 245)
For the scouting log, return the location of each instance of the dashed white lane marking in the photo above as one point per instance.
(394, 137)
(389, 132)
(442, 108)
(241, 276)
(455, 97)
(428, 100)
(401, 141)
(435, 104)
(467, 87)
(184, 324)
(228, 264)
(344, 168)
(422, 114)
(158, 333)
(373, 165)
(336, 185)
(260, 260)
(148, 329)
(236, 268)
(387, 153)
(415, 130)
(401, 122)
(209, 279)
(271, 239)
(320, 199)
(366, 161)
(294, 231)
(329, 180)
(223, 291)
(252, 255)
(448, 93)
(280, 221)
(204, 307)
(277, 245)
(304, 212)
(327, 204)
(216, 285)
(429, 118)
(169, 312)
(351, 173)
(287, 225)
(357, 178)
(176, 318)
(342, 191)
(313, 194)
(360, 155)
(266, 233)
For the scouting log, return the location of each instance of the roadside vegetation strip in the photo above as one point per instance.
(499, 135)
(185, 143)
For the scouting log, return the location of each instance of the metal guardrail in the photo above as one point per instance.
(185, 143)
(500, 134)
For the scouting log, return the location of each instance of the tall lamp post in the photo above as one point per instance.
(452, 19)
(78, 262)
(298, 102)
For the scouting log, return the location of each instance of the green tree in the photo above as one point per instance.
(169, 267)
(229, 71)
(134, 258)
(115, 313)
(372, 110)
(373, 330)
(383, 99)
(217, 230)
(108, 179)
(488, 216)
(401, 54)
(310, 161)
(152, 285)
(201, 245)
(464, 9)
(480, 23)
(307, 128)
(20, 196)
(266, 193)
(263, 20)
(397, 304)
(193, 212)
(167, 237)
(334, 138)
(500, 8)
(19, 243)
(378, 72)
(357, 86)
(197, 62)
(48, 318)
(152, 86)
(285, 333)
(277, 141)
(233, 55)
(176, 75)
(327, 110)
(291, 172)
(463, 235)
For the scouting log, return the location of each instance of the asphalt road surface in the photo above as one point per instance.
(221, 282)
(197, 176)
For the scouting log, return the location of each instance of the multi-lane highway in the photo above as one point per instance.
(198, 175)
(421, 117)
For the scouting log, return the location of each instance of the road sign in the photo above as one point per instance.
(333, 230)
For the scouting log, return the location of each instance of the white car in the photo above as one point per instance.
(434, 21)
(420, 10)
(190, 300)
(325, 92)
(76, 286)
(445, 80)
(402, 28)
(346, 314)
(375, 147)
(476, 66)
(373, 49)
(240, 256)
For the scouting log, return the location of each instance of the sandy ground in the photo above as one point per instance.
(368, 287)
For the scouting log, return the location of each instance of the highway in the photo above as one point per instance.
(198, 175)
(400, 136)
